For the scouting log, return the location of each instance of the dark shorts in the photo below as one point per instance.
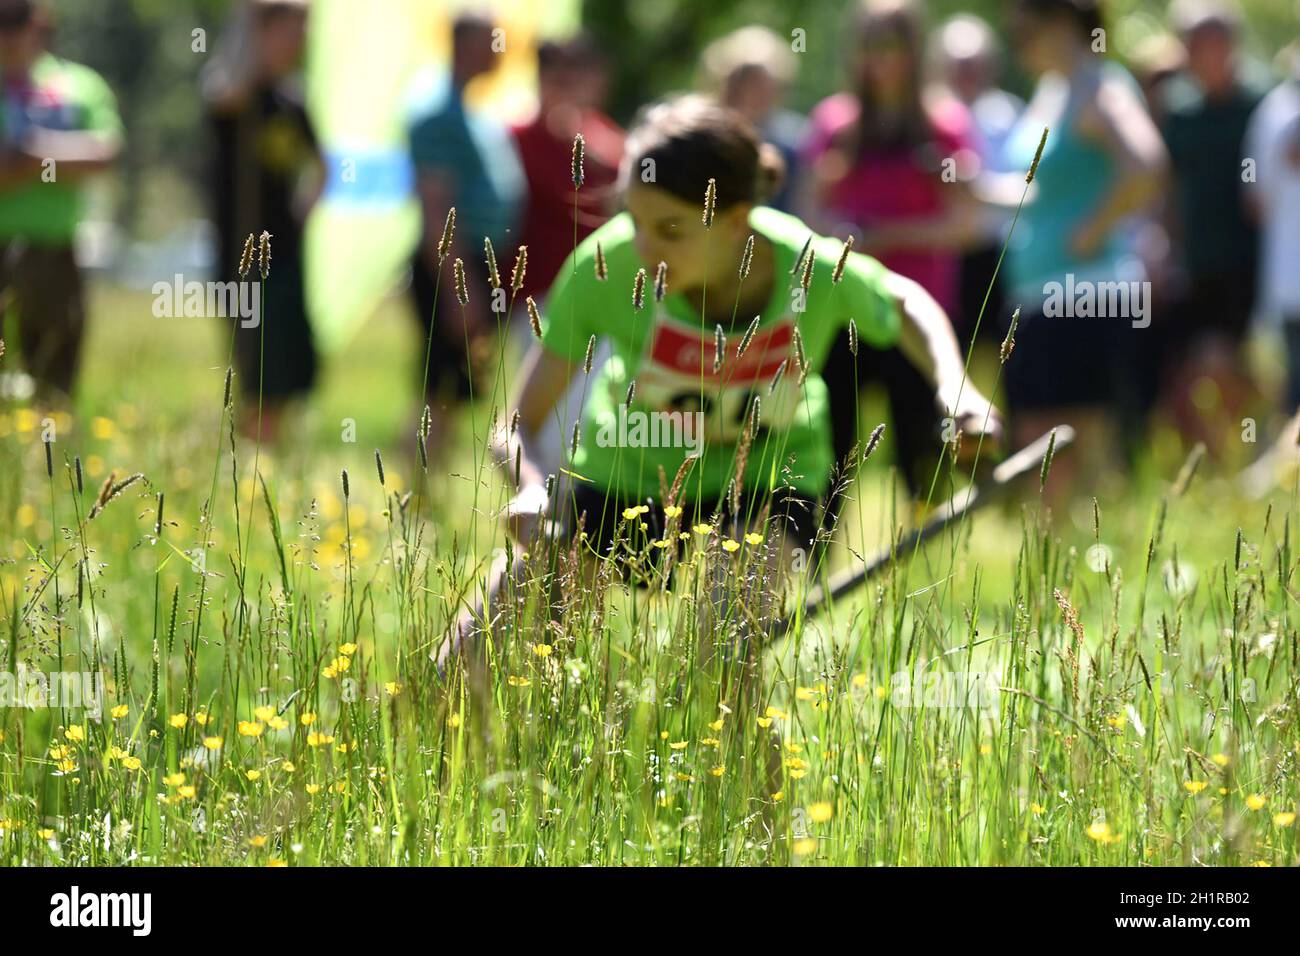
(1291, 330)
(277, 357)
(1069, 361)
(45, 284)
(1217, 306)
(915, 425)
(791, 513)
(450, 374)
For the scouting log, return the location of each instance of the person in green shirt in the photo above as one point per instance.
(58, 123)
(716, 361)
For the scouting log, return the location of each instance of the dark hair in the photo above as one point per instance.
(912, 127)
(693, 139)
(580, 50)
(16, 14)
(1086, 14)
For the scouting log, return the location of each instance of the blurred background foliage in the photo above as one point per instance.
(146, 50)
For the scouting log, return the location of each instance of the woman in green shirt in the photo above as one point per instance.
(718, 359)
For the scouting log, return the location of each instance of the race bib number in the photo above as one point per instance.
(677, 376)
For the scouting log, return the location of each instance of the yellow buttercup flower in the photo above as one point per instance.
(1283, 819)
(718, 771)
(1220, 759)
(174, 779)
(264, 713)
(76, 733)
(212, 743)
(1100, 831)
(703, 528)
(820, 812)
(257, 842)
(186, 792)
(307, 719)
(805, 847)
(319, 740)
(313, 788)
(672, 511)
(730, 546)
(393, 688)
(542, 650)
(1037, 808)
(634, 512)
(764, 722)
(1194, 786)
(1256, 802)
(348, 649)
(118, 712)
(515, 681)
(754, 539)
(250, 728)
(677, 745)
(253, 775)
(178, 720)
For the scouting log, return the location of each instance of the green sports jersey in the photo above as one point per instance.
(60, 96)
(680, 405)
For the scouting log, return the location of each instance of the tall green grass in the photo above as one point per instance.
(267, 647)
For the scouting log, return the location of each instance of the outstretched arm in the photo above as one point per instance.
(928, 342)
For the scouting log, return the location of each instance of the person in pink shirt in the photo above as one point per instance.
(888, 162)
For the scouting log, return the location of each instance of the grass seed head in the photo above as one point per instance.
(246, 260)
(638, 290)
(576, 161)
(448, 234)
(747, 259)
(806, 279)
(838, 272)
(1038, 155)
(748, 337)
(534, 316)
(462, 288)
(710, 202)
(490, 257)
(1009, 343)
(602, 269)
(661, 281)
(1047, 461)
(264, 254)
(519, 271)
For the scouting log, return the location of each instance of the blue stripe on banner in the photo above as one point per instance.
(369, 177)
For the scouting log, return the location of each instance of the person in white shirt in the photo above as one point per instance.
(1272, 148)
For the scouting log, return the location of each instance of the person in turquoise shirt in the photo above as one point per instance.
(58, 123)
(1079, 285)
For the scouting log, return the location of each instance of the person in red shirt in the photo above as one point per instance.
(888, 162)
(571, 84)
